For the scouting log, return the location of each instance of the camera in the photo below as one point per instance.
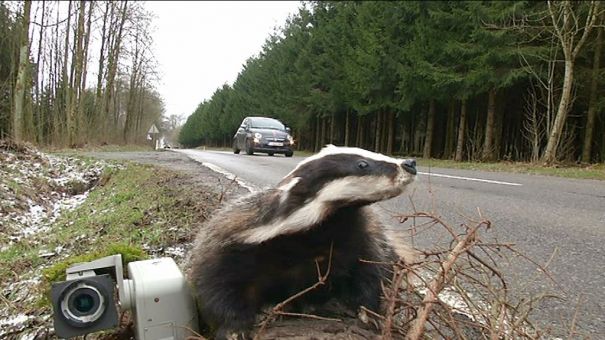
(156, 292)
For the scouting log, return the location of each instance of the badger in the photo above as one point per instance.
(265, 247)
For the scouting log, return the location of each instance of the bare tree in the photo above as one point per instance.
(430, 124)
(21, 84)
(39, 82)
(488, 144)
(572, 35)
(592, 104)
(377, 135)
(533, 130)
(461, 128)
(73, 112)
(112, 67)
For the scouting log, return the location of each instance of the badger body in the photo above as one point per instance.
(263, 248)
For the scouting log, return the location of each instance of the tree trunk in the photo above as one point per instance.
(39, 119)
(377, 134)
(359, 134)
(488, 146)
(391, 133)
(317, 144)
(132, 92)
(550, 154)
(497, 140)
(85, 49)
(450, 131)
(97, 121)
(592, 104)
(384, 132)
(428, 138)
(65, 76)
(58, 81)
(113, 57)
(363, 130)
(461, 132)
(603, 140)
(332, 128)
(322, 136)
(18, 126)
(347, 128)
(77, 62)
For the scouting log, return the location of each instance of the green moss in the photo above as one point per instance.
(129, 254)
(56, 272)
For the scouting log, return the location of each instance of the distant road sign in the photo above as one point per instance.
(153, 129)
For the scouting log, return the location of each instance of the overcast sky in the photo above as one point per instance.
(203, 45)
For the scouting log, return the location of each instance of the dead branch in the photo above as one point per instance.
(436, 285)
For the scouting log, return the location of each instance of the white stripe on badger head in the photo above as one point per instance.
(372, 188)
(311, 213)
(287, 187)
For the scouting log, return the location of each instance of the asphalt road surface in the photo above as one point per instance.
(551, 220)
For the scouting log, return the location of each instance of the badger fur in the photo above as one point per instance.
(261, 249)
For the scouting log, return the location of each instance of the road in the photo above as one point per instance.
(551, 220)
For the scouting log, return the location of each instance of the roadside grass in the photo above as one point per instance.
(134, 210)
(592, 171)
(99, 148)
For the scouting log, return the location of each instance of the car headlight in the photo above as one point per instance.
(257, 137)
(291, 139)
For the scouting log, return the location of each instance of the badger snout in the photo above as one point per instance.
(409, 165)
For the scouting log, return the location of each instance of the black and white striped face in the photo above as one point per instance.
(336, 177)
(349, 176)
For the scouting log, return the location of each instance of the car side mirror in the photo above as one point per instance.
(288, 130)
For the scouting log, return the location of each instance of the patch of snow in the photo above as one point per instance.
(177, 251)
(15, 320)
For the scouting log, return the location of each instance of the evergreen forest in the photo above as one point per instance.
(461, 80)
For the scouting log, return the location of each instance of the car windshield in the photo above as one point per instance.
(266, 123)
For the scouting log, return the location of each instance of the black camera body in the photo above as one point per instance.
(84, 305)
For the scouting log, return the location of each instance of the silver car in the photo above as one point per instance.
(262, 134)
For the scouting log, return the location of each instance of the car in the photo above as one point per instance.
(263, 134)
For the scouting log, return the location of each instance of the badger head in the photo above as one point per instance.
(347, 176)
(335, 178)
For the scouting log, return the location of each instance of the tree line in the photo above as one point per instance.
(463, 80)
(77, 72)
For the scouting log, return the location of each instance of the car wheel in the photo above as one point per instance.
(289, 154)
(270, 153)
(235, 149)
(249, 149)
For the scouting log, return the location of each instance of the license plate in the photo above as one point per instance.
(276, 144)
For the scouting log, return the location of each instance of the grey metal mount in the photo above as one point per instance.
(111, 265)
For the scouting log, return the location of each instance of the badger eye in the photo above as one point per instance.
(362, 164)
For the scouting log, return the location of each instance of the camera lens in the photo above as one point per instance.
(83, 303)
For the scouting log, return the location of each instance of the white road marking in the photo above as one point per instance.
(469, 178)
(218, 169)
(229, 175)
